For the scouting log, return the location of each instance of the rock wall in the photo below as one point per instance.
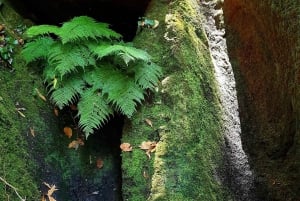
(184, 112)
(263, 40)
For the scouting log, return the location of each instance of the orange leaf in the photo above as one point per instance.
(68, 131)
(74, 144)
(99, 163)
(126, 147)
(55, 111)
(149, 122)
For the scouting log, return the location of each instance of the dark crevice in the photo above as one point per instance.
(122, 15)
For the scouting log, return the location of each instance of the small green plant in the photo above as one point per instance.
(86, 63)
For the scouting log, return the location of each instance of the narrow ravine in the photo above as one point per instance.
(238, 176)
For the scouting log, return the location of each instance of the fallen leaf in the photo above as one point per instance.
(99, 163)
(21, 113)
(74, 144)
(40, 95)
(51, 198)
(126, 147)
(73, 107)
(55, 111)
(43, 198)
(80, 141)
(145, 174)
(32, 131)
(149, 122)
(51, 190)
(149, 147)
(68, 131)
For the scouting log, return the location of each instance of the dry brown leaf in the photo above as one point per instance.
(73, 107)
(149, 122)
(21, 113)
(74, 144)
(40, 95)
(149, 147)
(99, 163)
(80, 141)
(68, 131)
(32, 131)
(126, 147)
(51, 190)
(43, 198)
(51, 198)
(145, 174)
(55, 111)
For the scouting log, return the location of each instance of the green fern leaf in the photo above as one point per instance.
(147, 74)
(84, 27)
(93, 110)
(42, 30)
(68, 93)
(122, 92)
(37, 49)
(127, 53)
(68, 57)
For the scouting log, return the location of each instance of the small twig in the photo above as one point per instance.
(14, 188)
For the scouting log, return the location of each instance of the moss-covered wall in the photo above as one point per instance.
(184, 112)
(264, 46)
(17, 86)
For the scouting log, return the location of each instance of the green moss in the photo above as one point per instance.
(17, 166)
(184, 113)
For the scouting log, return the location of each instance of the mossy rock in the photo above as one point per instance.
(184, 112)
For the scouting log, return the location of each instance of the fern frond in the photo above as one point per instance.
(37, 49)
(147, 75)
(127, 53)
(84, 27)
(93, 110)
(42, 30)
(122, 92)
(68, 57)
(68, 92)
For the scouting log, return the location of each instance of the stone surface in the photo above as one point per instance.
(263, 40)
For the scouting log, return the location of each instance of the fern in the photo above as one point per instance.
(68, 93)
(85, 28)
(84, 68)
(66, 58)
(38, 48)
(127, 53)
(147, 74)
(42, 30)
(93, 110)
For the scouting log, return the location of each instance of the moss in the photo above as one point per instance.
(17, 166)
(184, 112)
